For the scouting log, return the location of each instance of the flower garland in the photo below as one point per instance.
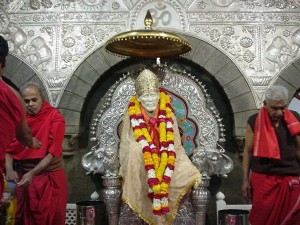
(159, 163)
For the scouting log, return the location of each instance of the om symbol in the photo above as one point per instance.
(159, 14)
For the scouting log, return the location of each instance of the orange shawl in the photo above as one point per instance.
(152, 125)
(265, 140)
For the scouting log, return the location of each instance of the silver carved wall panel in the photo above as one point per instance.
(262, 37)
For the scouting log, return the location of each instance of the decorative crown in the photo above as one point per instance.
(146, 81)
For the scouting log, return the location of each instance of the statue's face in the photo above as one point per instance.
(149, 100)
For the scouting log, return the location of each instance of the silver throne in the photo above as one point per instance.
(202, 137)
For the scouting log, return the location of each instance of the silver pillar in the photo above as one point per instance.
(200, 199)
(112, 198)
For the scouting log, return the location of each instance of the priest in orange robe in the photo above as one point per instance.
(41, 181)
(271, 162)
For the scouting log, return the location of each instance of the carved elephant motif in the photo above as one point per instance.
(39, 53)
(102, 160)
(92, 162)
(15, 35)
(212, 162)
(296, 41)
(277, 52)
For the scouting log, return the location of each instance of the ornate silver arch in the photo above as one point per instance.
(209, 155)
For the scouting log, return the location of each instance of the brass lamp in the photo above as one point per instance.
(148, 43)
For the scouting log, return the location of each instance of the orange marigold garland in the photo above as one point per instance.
(159, 163)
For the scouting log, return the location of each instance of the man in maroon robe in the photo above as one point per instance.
(41, 181)
(12, 116)
(271, 162)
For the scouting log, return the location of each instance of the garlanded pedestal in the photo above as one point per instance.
(112, 197)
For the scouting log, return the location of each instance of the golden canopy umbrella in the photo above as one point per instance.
(148, 43)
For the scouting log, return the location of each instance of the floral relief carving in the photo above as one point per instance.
(260, 81)
(246, 42)
(55, 82)
(248, 56)
(222, 3)
(54, 96)
(227, 39)
(115, 5)
(251, 4)
(202, 5)
(86, 31)
(69, 42)
(38, 5)
(92, 4)
(78, 40)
